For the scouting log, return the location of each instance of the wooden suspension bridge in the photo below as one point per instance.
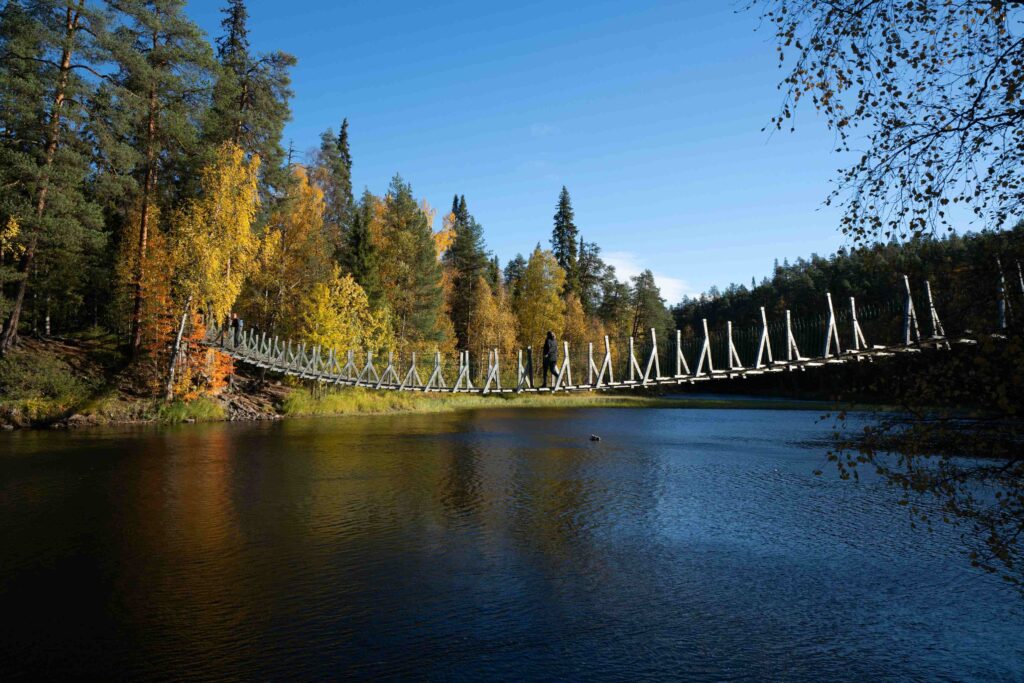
(328, 366)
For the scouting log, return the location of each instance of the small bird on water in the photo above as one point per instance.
(595, 437)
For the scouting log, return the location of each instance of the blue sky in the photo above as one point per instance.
(650, 113)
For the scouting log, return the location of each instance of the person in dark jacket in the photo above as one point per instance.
(236, 329)
(550, 357)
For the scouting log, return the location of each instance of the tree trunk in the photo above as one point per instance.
(147, 189)
(169, 392)
(9, 335)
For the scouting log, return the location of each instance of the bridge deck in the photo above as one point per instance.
(309, 365)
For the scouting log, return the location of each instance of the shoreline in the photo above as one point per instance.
(276, 401)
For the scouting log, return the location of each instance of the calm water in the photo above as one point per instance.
(686, 544)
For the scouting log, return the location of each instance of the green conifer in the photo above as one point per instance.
(563, 241)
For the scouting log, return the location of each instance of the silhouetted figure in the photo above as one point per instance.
(550, 357)
(236, 329)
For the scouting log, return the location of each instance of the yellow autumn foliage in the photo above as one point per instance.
(214, 245)
(444, 237)
(336, 314)
(492, 324)
(576, 329)
(9, 245)
(293, 256)
(538, 304)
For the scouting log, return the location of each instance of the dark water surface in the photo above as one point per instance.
(686, 544)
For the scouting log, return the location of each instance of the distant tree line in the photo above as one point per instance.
(966, 272)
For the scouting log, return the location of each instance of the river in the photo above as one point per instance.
(685, 544)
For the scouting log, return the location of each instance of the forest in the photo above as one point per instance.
(145, 191)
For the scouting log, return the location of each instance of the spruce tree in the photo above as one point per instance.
(590, 269)
(563, 241)
(360, 253)
(250, 99)
(514, 270)
(333, 174)
(44, 159)
(467, 259)
(494, 274)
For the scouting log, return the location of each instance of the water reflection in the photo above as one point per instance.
(688, 544)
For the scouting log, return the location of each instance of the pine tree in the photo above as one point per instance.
(164, 68)
(43, 158)
(250, 98)
(563, 241)
(467, 260)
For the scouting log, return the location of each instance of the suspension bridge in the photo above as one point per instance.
(781, 346)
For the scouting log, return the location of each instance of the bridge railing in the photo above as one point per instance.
(700, 349)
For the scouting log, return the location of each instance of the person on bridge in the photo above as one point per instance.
(236, 328)
(550, 357)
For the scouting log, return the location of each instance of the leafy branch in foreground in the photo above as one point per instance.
(929, 94)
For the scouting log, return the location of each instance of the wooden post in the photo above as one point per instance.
(653, 359)
(765, 344)
(564, 372)
(591, 367)
(632, 361)
(937, 331)
(792, 350)
(705, 352)
(858, 334)
(681, 364)
(734, 357)
(832, 332)
(910, 328)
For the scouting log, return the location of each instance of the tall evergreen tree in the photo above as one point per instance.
(467, 259)
(250, 98)
(360, 254)
(164, 68)
(514, 270)
(409, 269)
(648, 306)
(589, 270)
(494, 274)
(564, 238)
(44, 160)
(333, 173)
(615, 309)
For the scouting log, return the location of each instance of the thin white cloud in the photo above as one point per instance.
(627, 265)
(542, 130)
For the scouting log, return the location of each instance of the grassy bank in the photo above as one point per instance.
(355, 401)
